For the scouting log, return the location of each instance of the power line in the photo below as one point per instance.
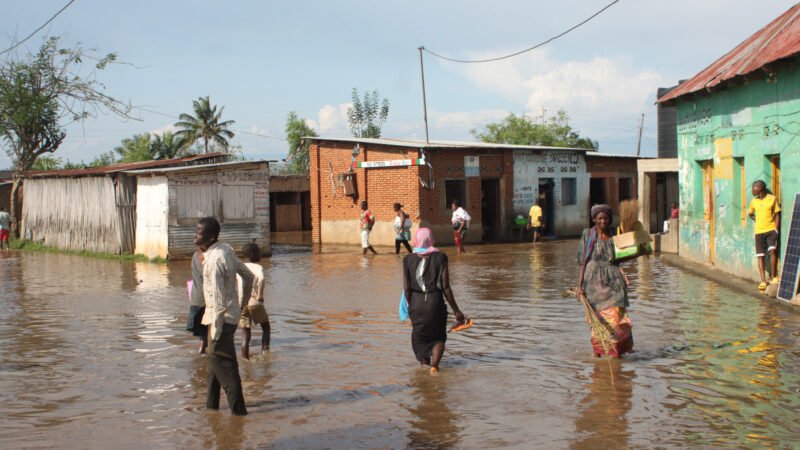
(527, 49)
(234, 129)
(38, 29)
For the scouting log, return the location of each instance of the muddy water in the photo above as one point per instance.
(94, 355)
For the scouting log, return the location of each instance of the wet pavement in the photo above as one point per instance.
(95, 355)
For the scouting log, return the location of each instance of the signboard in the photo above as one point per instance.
(472, 166)
(388, 163)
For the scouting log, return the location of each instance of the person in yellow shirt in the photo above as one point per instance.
(766, 211)
(535, 217)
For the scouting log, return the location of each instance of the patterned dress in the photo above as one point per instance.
(607, 292)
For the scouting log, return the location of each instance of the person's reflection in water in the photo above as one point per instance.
(225, 431)
(603, 423)
(433, 425)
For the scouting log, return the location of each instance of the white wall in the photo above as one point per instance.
(152, 204)
(531, 167)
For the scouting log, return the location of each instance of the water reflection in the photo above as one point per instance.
(433, 424)
(603, 422)
(99, 345)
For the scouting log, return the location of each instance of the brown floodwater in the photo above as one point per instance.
(94, 355)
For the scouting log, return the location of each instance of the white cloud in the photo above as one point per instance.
(599, 86)
(332, 120)
(161, 130)
(465, 120)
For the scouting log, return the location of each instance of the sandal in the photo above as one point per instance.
(460, 326)
(762, 286)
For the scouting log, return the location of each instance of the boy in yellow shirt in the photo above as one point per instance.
(535, 216)
(766, 211)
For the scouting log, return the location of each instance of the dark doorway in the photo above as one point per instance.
(597, 193)
(548, 205)
(490, 209)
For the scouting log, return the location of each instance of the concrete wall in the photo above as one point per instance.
(737, 130)
(530, 168)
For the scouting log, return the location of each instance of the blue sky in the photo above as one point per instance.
(263, 59)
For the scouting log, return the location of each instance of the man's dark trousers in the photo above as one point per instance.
(223, 371)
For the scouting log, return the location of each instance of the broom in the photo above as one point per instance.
(599, 327)
(628, 215)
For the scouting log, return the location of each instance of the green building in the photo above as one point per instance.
(738, 122)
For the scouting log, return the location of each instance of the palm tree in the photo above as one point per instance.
(205, 125)
(167, 146)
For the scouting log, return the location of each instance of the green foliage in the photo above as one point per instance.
(205, 125)
(167, 146)
(47, 163)
(136, 148)
(366, 116)
(521, 130)
(42, 92)
(296, 129)
(104, 159)
(36, 246)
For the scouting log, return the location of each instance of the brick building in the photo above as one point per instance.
(494, 182)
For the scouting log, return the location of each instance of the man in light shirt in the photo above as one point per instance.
(220, 267)
(460, 221)
(5, 227)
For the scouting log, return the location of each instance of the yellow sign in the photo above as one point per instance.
(723, 147)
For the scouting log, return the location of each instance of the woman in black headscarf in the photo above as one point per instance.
(604, 284)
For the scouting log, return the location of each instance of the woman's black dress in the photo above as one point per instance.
(426, 306)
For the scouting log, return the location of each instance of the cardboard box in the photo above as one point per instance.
(632, 244)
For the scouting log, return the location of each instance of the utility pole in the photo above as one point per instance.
(639, 139)
(424, 100)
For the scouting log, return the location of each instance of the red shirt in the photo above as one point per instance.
(674, 213)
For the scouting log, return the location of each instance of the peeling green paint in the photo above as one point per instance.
(741, 125)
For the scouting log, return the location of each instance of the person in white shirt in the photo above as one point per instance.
(254, 311)
(460, 223)
(5, 227)
(220, 267)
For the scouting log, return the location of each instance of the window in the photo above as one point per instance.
(568, 191)
(455, 190)
(237, 201)
(740, 188)
(194, 202)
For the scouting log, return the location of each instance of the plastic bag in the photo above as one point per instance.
(403, 307)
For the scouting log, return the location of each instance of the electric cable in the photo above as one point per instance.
(525, 50)
(38, 29)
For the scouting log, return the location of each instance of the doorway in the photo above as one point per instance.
(597, 194)
(708, 206)
(547, 202)
(490, 209)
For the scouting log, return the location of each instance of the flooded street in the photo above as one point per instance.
(95, 355)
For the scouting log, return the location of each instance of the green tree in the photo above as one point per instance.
(521, 130)
(296, 129)
(40, 94)
(47, 163)
(204, 125)
(366, 116)
(136, 148)
(167, 146)
(104, 159)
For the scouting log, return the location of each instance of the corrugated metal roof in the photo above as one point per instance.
(122, 167)
(442, 144)
(778, 40)
(232, 164)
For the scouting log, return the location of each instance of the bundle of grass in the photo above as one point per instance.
(599, 327)
(629, 216)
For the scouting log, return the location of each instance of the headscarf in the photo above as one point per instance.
(423, 242)
(602, 208)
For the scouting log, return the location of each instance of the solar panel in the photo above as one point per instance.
(791, 256)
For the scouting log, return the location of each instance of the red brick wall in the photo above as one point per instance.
(381, 188)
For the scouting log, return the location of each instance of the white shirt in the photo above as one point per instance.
(220, 268)
(5, 220)
(257, 293)
(459, 215)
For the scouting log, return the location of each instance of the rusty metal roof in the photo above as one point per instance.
(123, 167)
(778, 40)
